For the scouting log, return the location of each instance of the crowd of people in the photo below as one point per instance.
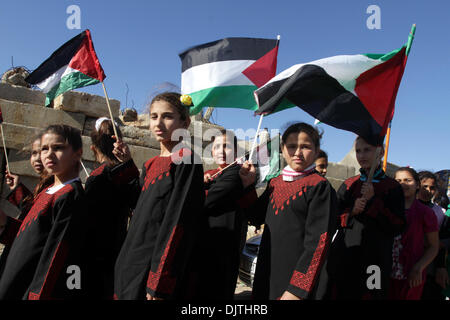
(175, 232)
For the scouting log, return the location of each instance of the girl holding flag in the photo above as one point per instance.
(298, 209)
(227, 196)
(158, 256)
(111, 195)
(49, 241)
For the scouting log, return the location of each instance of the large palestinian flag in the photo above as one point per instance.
(225, 73)
(72, 66)
(350, 92)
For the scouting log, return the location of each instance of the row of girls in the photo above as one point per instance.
(176, 232)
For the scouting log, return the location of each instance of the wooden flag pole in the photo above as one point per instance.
(82, 164)
(110, 112)
(388, 138)
(4, 148)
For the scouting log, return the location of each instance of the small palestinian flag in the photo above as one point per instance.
(226, 72)
(72, 66)
(350, 92)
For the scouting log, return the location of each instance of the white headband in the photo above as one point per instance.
(99, 122)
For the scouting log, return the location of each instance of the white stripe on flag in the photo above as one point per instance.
(344, 68)
(55, 78)
(215, 74)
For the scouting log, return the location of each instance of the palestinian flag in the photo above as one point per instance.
(226, 72)
(72, 66)
(350, 92)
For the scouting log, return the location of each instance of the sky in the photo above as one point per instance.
(138, 43)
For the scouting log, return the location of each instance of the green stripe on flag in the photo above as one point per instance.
(69, 82)
(383, 57)
(224, 97)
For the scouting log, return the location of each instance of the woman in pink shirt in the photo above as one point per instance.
(417, 246)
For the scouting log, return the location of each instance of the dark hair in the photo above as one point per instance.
(70, 134)
(442, 199)
(298, 127)
(322, 154)
(103, 142)
(173, 98)
(412, 172)
(378, 144)
(427, 175)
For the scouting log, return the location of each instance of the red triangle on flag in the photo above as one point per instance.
(263, 69)
(86, 60)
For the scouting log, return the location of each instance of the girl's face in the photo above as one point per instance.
(299, 151)
(58, 156)
(321, 166)
(409, 185)
(223, 151)
(427, 189)
(35, 158)
(365, 154)
(164, 120)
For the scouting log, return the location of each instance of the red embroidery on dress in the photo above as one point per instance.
(156, 168)
(98, 171)
(161, 280)
(41, 206)
(305, 281)
(182, 153)
(283, 192)
(18, 195)
(33, 296)
(350, 181)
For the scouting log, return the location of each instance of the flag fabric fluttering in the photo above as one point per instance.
(350, 92)
(73, 65)
(226, 72)
(267, 161)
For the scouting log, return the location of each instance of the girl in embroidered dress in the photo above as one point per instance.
(111, 195)
(298, 208)
(47, 244)
(227, 197)
(157, 259)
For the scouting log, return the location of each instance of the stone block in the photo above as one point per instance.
(339, 171)
(18, 136)
(37, 116)
(21, 94)
(19, 163)
(140, 155)
(335, 183)
(88, 104)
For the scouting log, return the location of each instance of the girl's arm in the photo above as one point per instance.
(18, 191)
(319, 229)
(125, 177)
(388, 210)
(431, 251)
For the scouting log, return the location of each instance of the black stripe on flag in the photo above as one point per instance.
(225, 50)
(312, 89)
(57, 60)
